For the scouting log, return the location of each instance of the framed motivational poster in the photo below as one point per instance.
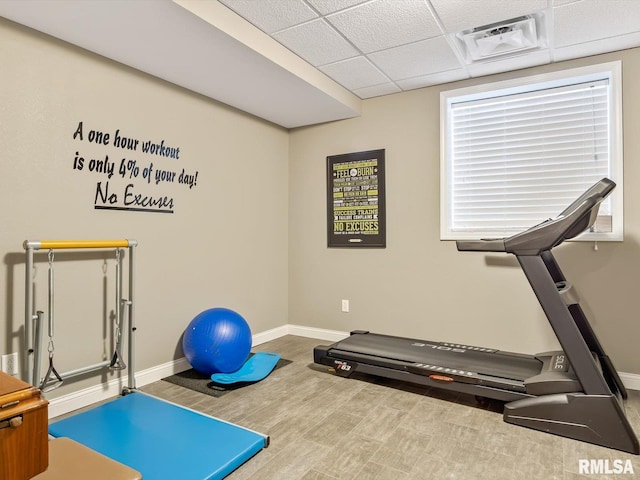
(356, 200)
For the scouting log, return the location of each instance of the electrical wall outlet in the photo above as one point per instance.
(10, 363)
(345, 306)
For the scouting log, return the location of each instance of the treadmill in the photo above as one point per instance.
(575, 393)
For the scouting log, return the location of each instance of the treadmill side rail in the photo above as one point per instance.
(346, 368)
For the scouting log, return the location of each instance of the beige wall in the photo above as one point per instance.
(422, 287)
(225, 245)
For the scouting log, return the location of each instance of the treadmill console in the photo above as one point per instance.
(572, 221)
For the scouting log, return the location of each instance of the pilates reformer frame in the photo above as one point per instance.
(34, 319)
(208, 447)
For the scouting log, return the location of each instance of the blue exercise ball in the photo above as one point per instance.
(217, 340)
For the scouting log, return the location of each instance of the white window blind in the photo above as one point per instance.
(517, 156)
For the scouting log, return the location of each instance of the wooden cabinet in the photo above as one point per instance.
(23, 430)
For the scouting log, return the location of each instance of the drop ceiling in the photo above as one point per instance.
(386, 46)
(301, 62)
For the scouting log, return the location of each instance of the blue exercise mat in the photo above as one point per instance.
(162, 440)
(256, 368)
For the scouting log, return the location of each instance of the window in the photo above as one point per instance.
(516, 153)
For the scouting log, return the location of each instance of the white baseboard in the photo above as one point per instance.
(630, 380)
(98, 393)
(264, 337)
(88, 396)
(319, 333)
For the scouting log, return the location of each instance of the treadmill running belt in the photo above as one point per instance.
(489, 362)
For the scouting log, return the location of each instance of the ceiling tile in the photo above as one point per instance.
(329, 6)
(355, 73)
(303, 40)
(433, 79)
(386, 23)
(594, 19)
(557, 3)
(377, 90)
(597, 47)
(272, 15)
(420, 58)
(458, 15)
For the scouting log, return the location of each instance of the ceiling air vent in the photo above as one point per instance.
(498, 39)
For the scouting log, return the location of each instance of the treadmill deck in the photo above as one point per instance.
(484, 361)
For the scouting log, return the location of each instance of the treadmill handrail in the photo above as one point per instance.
(579, 216)
(482, 245)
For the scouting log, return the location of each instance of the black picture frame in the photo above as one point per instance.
(356, 200)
